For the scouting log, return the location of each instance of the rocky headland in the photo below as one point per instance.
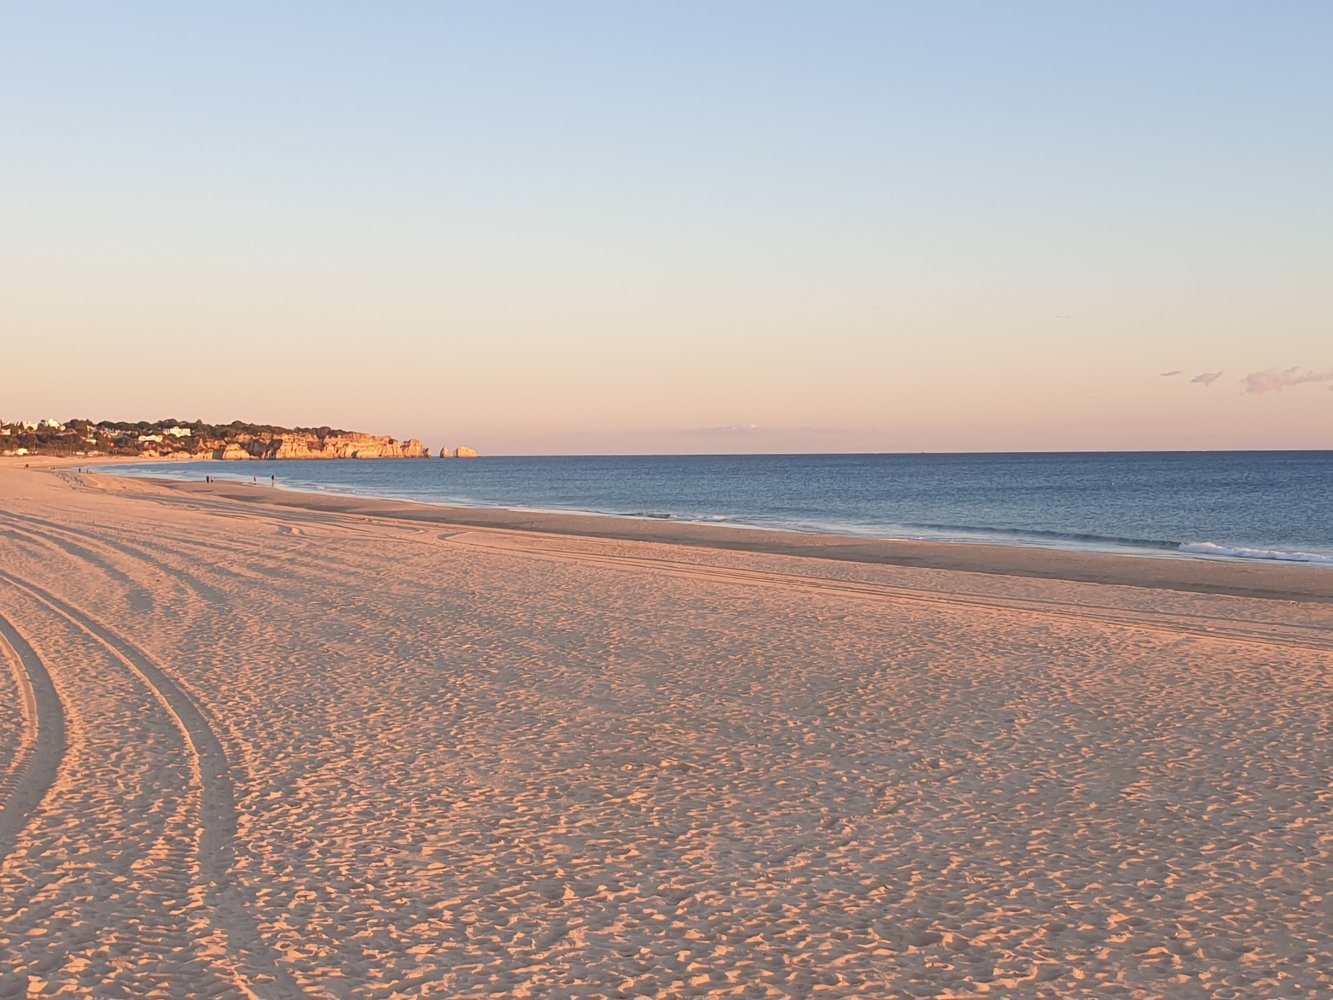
(195, 440)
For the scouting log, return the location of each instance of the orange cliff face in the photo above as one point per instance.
(344, 446)
(310, 446)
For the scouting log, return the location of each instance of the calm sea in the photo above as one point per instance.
(1248, 505)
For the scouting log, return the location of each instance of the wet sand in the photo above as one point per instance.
(261, 743)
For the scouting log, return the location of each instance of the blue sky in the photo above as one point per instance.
(675, 227)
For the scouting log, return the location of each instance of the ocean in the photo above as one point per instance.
(1232, 505)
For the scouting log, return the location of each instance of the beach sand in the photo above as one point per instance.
(254, 743)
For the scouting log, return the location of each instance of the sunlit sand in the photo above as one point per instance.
(254, 744)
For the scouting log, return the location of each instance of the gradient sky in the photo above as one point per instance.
(723, 226)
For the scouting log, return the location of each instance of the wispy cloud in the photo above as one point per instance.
(1176, 371)
(1206, 378)
(755, 430)
(728, 430)
(1272, 380)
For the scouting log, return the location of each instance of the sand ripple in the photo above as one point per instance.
(300, 753)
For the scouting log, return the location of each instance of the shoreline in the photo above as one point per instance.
(1280, 580)
(1270, 580)
(1191, 546)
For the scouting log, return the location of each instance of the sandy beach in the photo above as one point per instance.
(256, 743)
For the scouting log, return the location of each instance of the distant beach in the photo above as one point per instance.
(263, 743)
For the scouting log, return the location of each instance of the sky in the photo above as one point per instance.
(675, 227)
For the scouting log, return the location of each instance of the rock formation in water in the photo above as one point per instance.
(463, 451)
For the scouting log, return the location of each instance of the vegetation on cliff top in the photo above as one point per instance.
(142, 437)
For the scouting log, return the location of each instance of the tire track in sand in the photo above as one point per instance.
(49, 533)
(34, 767)
(250, 966)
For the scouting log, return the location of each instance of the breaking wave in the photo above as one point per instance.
(1238, 552)
(670, 516)
(1030, 535)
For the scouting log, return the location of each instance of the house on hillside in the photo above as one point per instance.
(178, 432)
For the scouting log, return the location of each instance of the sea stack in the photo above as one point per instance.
(444, 452)
(463, 451)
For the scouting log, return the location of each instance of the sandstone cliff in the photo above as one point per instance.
(309, 446)
(344, 446)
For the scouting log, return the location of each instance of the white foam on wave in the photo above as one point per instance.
(1213, 549)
